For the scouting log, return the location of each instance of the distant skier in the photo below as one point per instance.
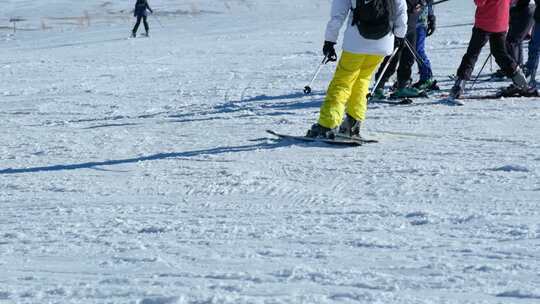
(521, 22)
(140, 12)
(425, 27)
(405, 58)
(368, 38)
(534, 47)
(491, 24)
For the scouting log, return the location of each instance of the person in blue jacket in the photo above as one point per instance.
(140, 12)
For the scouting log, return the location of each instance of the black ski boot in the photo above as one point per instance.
(519, 79)
(133, 34)
(458, 88)
(519, 88)
(318, 131)
(515, 91)
(350, 127)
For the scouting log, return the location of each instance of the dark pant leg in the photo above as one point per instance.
(479, 38)
(497, 44)
(136, 27)
(146, 28)
(534, 51)
(389, 71)
(407, 59)
(521, 22)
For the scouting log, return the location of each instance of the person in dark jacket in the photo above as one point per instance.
(405, 58)
(491, 24)
(140, 12)
(534, 47)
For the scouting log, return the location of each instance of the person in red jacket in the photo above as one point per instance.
(491, 24)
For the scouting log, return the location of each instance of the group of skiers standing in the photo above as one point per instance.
(391, 34)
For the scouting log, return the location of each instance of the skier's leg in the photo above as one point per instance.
(497, 44)
(340, 89)
(521, 21)
(508, 65)
(357, 104)
(145, 22)
(479, 38)
(136, 27)
(512, 36)
(406, 61)
(534, 49)
(425, 70)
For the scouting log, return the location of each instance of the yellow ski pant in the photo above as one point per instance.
(349, 88)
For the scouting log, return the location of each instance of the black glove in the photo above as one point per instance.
(431, 25)
(329, 51)
(398, 42)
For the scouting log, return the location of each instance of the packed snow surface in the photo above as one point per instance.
(139, 170)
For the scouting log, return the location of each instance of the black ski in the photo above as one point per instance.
(339, 140)
(498, 95)
(394, 102)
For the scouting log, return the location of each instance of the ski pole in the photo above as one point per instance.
(370, 94)
(415, 53)
(307, 89)
(456, 25)
(440, 1)
(478, 76)
(157, 19)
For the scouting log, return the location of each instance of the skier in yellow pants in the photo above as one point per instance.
(349, 89)
(368, 39)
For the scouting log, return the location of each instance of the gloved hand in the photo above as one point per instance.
(329, 51)
(431, 25)
(398, 42)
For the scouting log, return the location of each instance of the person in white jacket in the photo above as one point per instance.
(348, 89)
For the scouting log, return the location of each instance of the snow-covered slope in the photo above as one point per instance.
(139, 171)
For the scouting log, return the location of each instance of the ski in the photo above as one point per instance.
(488, 96)
(497, 95)
(362, 140)
(340, 141)
(481, 78)
(421, 94)
(404, 101)
(398, 101)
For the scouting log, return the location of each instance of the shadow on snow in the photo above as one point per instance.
(277, 143)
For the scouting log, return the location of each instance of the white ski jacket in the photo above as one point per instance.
(353, 41)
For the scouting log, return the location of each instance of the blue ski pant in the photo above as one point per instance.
(425, 70)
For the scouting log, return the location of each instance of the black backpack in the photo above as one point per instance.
(374, 18)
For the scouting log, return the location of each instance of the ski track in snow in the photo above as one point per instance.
(139, 171)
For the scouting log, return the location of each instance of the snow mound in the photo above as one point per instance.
(520, 294)
(511, 168)
(4, 295)
(160, 300)
(153, 229)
